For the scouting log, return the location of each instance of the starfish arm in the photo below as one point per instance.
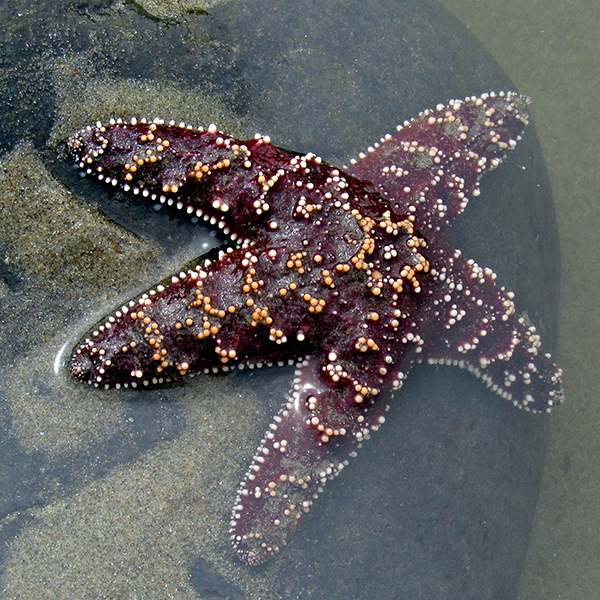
(521, 374)
(208, 318)
(476, 328)
(435, 161)
(320, 426)
(202, 172)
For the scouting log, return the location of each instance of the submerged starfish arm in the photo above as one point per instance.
(475, 327)
(320, 426)
(436, 160)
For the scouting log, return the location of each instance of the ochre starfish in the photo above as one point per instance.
(349, 274)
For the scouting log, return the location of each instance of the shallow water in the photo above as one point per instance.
(551, 51)
(113, 494)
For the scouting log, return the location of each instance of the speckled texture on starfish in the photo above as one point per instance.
(349, 274)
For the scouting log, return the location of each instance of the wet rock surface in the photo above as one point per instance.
(131, 492)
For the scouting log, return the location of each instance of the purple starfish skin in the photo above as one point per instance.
(349, 274)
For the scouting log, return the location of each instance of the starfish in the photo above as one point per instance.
(350, 275)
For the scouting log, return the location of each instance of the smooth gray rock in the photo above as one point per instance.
(439, 504)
